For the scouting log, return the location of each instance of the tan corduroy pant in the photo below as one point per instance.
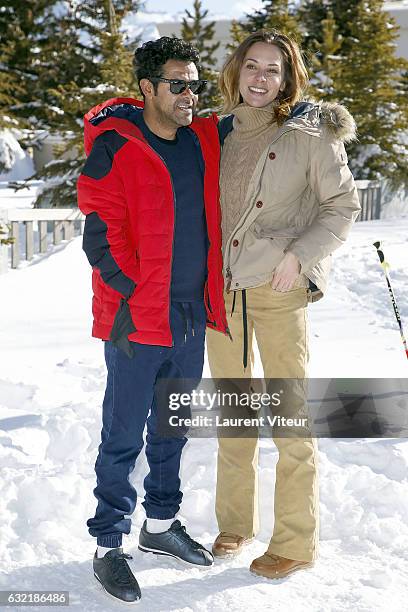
(279, 321)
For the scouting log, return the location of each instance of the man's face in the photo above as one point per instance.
(171, 109)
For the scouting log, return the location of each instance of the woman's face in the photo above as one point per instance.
(261, 75)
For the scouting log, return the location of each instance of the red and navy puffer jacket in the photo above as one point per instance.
(126, 193)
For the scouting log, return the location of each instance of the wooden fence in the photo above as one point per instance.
(32, 229)
(370, 194)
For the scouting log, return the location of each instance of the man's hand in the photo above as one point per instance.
(122, 327)
(286, 273)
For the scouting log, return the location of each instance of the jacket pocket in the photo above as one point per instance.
(284, 233)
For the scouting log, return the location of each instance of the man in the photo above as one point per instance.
(149, 190)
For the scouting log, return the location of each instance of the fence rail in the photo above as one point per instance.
(31, 228)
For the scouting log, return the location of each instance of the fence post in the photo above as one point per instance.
(57, 232)
(378, 201)
(42, 234)
(15, 247)
(68, 230)
(29, 240)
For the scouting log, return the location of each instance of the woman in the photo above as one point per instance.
(288, 201)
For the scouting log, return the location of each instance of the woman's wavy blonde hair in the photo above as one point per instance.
(294, 73)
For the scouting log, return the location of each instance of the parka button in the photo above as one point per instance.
(272, 155)
(235, 243)
(259, 204)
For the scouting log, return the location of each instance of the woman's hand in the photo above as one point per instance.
(286, 273)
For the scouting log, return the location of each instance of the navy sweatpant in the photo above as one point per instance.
(129, 402)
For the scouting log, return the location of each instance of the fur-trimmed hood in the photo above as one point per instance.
(311, 115)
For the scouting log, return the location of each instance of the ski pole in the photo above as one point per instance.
(385, 267)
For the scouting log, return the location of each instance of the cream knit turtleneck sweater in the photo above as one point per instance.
(252, 133)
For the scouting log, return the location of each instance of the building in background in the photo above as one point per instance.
(221, 35)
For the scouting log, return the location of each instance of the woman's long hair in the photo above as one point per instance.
(294, 72)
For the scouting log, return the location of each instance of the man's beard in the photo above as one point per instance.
(175, 119)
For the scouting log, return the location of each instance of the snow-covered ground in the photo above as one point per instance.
(51, 387)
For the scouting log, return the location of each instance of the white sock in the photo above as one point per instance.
(101, 551)
(158, 525)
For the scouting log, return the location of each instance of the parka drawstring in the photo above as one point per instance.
(183, 313)
(233, 303)
(244, 323)
(186, 318)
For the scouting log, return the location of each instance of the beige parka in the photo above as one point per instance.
(301, 198)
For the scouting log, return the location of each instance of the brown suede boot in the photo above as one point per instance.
(228, 544)
(273, 566)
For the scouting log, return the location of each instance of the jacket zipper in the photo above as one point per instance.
(174, 233)
(172, 246)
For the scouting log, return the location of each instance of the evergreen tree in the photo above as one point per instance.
(111, 76)
(10, 88)
(359, 68)
(324, 58)
(78, 37)
(312, 14)
(22, 38)
(278, 14)
(68, 56)
(237, 35)
(201, 34)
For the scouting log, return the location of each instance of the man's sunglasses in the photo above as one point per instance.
(177, 86)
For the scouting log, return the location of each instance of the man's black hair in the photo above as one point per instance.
(149, 59)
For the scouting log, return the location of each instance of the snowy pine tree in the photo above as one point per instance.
(23, 35)
(237, 35)
(324, 57)
(278, 14)
(358, 67)
(10, 89)
(111, 76)
(201, 34)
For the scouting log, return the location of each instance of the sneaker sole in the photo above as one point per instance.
(129, 603)
(179, 559)
(283, 575)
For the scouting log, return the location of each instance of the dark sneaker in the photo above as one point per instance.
(175, 542)
(115, 576)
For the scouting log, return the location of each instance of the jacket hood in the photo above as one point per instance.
(113, 114)
(311, 116)
(339, 121)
